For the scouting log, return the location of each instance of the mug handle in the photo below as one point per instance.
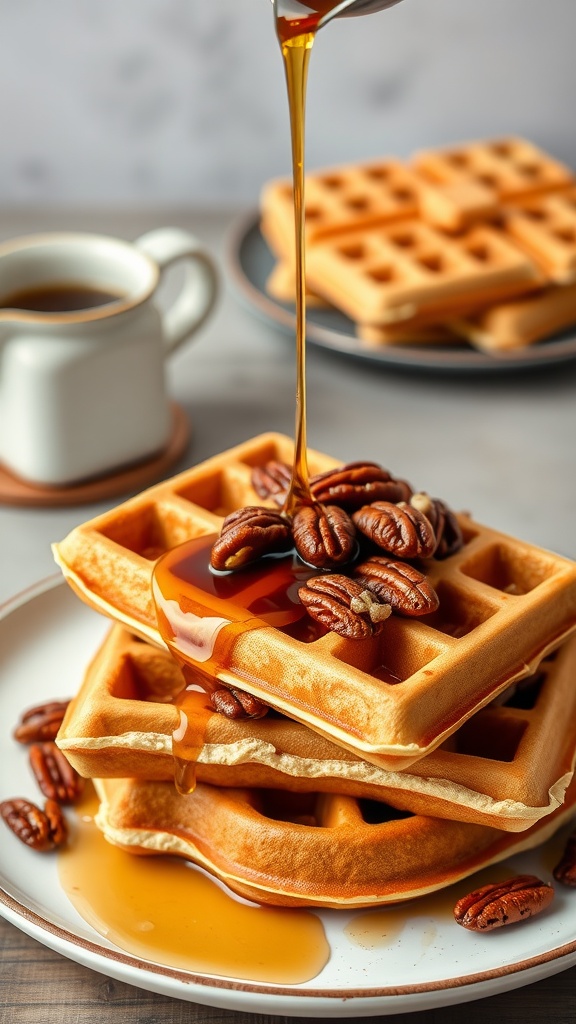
(199, 290)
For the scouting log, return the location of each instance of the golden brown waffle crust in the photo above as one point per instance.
(521, 599)
(340, 862)
(121, 723)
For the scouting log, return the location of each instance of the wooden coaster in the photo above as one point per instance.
(14, 491)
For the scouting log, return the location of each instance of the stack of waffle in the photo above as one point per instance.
(474, 243)
(386, 768)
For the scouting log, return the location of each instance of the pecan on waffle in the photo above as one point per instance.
(315, 850)
(399, 272)
(507, 767)
(391, 698)
(465, 183)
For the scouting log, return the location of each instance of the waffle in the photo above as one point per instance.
(515, 325)
(281, 285)
(463, 184)
(390, 699)
(397, 272)
(545, 227)
(322, 850)
(377, 335)
(507, 767)
(336, 199)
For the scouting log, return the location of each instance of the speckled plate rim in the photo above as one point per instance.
(248, 262)
(66, 933)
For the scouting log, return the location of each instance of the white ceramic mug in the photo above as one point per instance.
(83, 390)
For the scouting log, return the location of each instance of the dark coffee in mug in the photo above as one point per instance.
(59, 298)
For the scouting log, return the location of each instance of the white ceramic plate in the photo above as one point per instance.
(46, 639)
(250, 263)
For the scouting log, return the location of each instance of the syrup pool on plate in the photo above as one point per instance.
(164, 910)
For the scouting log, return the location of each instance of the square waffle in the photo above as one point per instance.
(390, 699)
(396, 272)
(322, 850)
(340, 198)
(545, 227)
(465, 183)
(507, 767)
(515, 325)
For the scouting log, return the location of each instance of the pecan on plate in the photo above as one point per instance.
(398, 584)
(357, 484)
(41, 722)
(56, 777)
(272, 480)
(344, 606)
(398, 529)
(565, 870)
(324, 535)
(42, 830)
(249, 533)
(449, 538)
(501, 903)
(233, 703)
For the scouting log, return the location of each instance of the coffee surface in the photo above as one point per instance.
(59, 298)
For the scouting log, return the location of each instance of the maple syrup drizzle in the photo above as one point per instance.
(265, 593)
(164, 910)
(296, 54)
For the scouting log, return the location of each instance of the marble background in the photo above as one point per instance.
(182, 102)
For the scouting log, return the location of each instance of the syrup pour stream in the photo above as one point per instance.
(178, 576)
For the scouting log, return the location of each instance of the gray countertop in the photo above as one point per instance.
(499, 446)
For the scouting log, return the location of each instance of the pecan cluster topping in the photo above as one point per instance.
(56, 777)
(41, 722)
(354, 507)
(234, 703)
(398, 584)
(40, 829)
(502, 903)
(249, 533)
(565, 870)
(324, 535)
(272, 479)
(398, 529)
(344, 606)
(358, 483)
(446, 527)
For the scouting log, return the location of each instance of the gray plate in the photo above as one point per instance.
(249, 262)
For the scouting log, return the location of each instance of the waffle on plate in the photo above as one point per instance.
(391, 699)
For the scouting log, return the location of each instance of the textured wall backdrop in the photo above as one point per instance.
(182, 102)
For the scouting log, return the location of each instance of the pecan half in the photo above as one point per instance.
(233, 703)
(56, 777)
(356, 484)
(449, 537)
(324, 535)
(41, 830)
(344, 606)
(56, 822)
(41, 722)
(398, 584)
(565, 870)
(494, 906)
(271, 479)
(249, 533)
(399, 529)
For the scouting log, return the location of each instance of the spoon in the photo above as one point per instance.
(295, 9)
